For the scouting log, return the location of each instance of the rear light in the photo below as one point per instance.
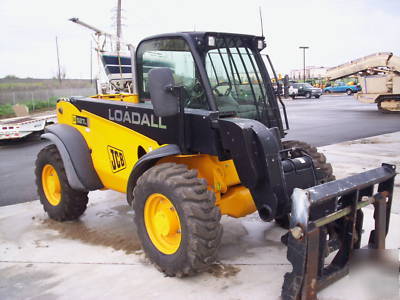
(4, 128)
(11, 127)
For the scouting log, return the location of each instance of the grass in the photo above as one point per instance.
(34, 105)
(6, 110)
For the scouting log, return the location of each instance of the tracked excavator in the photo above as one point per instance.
(379, 77)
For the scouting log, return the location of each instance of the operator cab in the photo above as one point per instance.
(219, 72)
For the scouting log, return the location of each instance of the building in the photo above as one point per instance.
(312, 72)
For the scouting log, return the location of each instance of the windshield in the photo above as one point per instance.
(236, 81)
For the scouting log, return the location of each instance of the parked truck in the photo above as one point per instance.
(379, 77)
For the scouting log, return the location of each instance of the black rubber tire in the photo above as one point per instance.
(200, 218)
(73, 203)
(328, 92)
(317, 96)
(320, 163)
(293, 96)
(307, 95)
(349, 92)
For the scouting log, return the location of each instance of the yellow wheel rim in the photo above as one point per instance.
(162, 223)
(51, 185)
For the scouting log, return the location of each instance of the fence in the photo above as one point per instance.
(38, 99)
(42, 95)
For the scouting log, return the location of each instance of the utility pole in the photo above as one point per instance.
(58, 61)
(119, 24)
(91, 63)
(304, 61)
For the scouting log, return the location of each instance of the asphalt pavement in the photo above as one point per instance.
(333, 119)
(324, 121)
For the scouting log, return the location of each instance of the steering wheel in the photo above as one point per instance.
(197, 90)
(227, 91)
(197, 93)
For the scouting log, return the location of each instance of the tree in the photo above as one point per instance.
(10, 77)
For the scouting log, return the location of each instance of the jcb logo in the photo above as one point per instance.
(117, 159)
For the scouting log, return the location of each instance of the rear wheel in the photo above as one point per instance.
(308, 95)
(59, 200)
(317, 96)
(177, 221)
(320, 165)
(349, 92)
(293, 96)
(328, 91)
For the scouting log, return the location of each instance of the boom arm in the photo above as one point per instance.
(381, 59)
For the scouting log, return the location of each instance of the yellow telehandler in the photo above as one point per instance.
(200, 136)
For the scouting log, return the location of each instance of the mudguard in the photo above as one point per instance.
(147, 161)
(75, 155)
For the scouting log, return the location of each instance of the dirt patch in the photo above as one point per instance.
(78, 230)
(223, 271)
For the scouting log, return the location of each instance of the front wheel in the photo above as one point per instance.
(349, 92)
(59, 200)
(308, 95)
(176, 218)
(317, 96)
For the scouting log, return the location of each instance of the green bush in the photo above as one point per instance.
(40, 104)
(6, 109)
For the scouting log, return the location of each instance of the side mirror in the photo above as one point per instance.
(161, 84)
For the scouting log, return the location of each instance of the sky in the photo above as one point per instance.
(336, 31)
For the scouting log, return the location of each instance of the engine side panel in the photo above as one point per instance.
(114, 148)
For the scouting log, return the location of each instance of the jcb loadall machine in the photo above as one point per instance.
(202, 138)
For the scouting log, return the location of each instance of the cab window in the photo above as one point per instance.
(172, 53)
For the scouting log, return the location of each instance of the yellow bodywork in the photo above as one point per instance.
(118, 97)
(115, 150)
(103, 137)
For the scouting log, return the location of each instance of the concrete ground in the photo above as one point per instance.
(99, 256)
